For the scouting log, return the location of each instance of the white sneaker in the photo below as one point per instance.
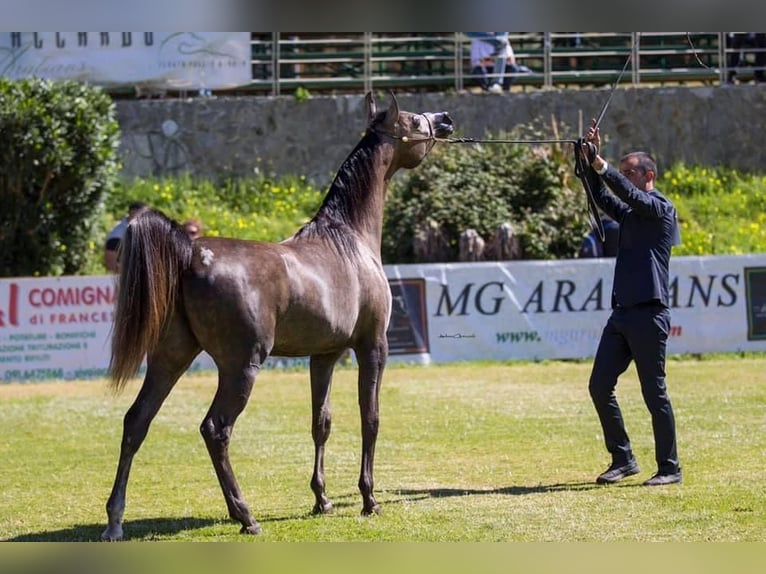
(496, 88)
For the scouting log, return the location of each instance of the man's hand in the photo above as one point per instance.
(591, 144)
(588, 151)
(593, 136)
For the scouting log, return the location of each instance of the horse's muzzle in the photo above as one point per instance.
(442, 124)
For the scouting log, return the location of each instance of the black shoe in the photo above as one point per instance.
(662, 478)
(616, 473)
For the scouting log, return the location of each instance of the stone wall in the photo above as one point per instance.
(720, 125)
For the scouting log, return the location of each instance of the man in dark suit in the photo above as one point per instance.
(638, 326)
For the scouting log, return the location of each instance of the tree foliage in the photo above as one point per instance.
(57, 160)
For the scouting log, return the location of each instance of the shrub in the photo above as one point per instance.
(262, 207)
(57, 160)
(720, 210)
(270, 209)
(481, 186)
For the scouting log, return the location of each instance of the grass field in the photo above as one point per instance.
(467, 452)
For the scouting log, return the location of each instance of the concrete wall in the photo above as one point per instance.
(720, 125)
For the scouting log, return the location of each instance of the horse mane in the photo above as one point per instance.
(347, 198)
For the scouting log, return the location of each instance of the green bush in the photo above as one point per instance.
(551, 214)
(262, 208)
(720, 211)
(480, 186)
(57, 160)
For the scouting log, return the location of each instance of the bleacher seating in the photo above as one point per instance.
(356, 62)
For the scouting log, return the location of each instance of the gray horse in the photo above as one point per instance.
(317, 294)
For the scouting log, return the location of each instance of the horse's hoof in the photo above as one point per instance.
(323, 508)
(375, 509)
(254, 528)
(112, 534)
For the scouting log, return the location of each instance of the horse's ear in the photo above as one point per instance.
(392, 115)
(372, 107)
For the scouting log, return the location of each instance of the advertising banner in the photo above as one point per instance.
(537, 310)
(60, 328)
(155, 60)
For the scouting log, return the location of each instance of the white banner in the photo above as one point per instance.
(60, 328)
(557, 309)
(156, 60)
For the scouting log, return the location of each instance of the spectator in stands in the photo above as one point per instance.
(193, 228)
(491, 55)
(736, 42)
(111, 260)
(592, 246)
(638, 327)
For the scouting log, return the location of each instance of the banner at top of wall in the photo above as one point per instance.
(148, 60)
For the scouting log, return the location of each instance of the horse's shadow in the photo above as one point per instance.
(146, 529)
(149, 529)
(156, 528)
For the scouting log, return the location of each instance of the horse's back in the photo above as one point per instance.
(295, 298)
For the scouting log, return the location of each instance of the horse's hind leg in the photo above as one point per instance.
(230, 400)
(163, 370)
(321, 423)
(371, 361)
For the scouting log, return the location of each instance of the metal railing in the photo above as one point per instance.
(359, 62)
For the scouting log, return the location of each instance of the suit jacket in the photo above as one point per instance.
(648, 229)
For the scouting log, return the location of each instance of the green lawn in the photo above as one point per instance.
(466, 452)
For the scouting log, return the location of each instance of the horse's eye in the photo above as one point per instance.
(416, 122)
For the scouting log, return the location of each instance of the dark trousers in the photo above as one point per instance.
(639, 334)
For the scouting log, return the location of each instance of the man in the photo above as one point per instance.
(111, 260)
(639, 324)
(593, 247)
(193, 228)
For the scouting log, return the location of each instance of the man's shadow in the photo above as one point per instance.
(414, 494)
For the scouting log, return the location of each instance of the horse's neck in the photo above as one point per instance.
(360, 192)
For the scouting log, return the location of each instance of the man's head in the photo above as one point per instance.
(640, 169)
(135, 209)
(193, 228)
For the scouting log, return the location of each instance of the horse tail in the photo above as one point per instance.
(153, 255)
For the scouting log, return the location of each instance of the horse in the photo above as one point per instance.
(318, 293)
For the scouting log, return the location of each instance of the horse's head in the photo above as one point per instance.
(414, 134)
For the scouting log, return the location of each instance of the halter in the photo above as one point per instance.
(417, 137)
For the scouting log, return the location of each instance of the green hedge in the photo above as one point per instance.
(57, 161)
(721, 211)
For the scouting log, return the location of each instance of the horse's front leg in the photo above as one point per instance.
(371, 364)
(322, 367)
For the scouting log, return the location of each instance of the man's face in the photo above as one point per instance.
(635, 173)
